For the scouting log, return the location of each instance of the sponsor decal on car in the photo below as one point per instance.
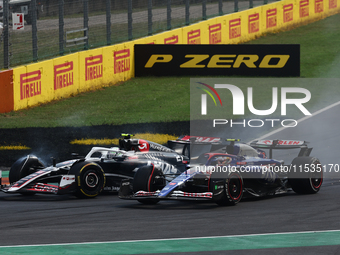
(143, 146)
(281, 142)
(66, 181)
(28, 179)
(43, 187)
(202, 139)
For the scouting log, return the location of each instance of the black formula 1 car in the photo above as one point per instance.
(102, 169)
(228, 173)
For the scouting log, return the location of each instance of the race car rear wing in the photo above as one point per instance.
(140, 145)
(182, 144)
(198, 139)
(282, 144)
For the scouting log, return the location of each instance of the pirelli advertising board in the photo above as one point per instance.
(191, 60)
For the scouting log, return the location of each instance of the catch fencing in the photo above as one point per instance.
(58, 27)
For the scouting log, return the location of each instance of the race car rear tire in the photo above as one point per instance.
(232, 190)
(90, 179)
(148, 178)
(306, 175)
(23, 167)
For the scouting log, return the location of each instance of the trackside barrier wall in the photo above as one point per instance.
(6, 88)
(68, 75)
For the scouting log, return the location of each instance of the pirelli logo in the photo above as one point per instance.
(247, 60)
(63, 75)
(121, 60)
(234, 28)
(333, 4)
(215, 33)
(304, 8)
(93, 67)
(171, 40)
(194, 37)
(253, 23)
(30, 84)
(271, 18)
(288, 13)
(318, 6)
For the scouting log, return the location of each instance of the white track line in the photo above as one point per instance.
(299, 121)
(175, 239)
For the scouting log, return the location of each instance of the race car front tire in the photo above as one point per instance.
(306, 175)
(148, 178)
(23, 167)
(231, 190)
(90, 179)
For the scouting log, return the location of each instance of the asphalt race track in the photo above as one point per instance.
(48, 219)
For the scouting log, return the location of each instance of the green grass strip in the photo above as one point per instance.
(224, 243)
(166, 99)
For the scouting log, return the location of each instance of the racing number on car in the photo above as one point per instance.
(143, 145)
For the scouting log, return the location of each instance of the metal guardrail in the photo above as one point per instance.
(78, 40)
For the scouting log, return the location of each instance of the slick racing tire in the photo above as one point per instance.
(148, 178)
(90, 179)
(230, 191)
(23, 167)
(306, 175)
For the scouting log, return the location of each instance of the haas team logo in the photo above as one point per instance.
(143, 145)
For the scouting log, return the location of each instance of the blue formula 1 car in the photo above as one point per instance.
(228, 173)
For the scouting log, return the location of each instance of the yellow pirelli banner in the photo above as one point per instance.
(68, 75)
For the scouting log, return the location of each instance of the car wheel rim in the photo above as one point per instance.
(235, 188)
(91, 180)
(316, 181)
(317, 177)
